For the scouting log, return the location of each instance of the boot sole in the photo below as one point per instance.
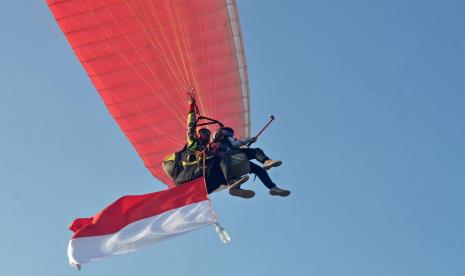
(239, 182)
(242, 193)
(272, 165)
(283, 193)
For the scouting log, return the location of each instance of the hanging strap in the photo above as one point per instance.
(210, 121)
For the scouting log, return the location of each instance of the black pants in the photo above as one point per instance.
(262, 175)
(214, 176)
(226, 166)
(251, 153)
(256, 154)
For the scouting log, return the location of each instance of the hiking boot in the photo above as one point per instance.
(241, 193)
(279, 192)
(268, 164)
(236, 183)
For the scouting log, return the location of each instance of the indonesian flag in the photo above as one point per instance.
(134, 222)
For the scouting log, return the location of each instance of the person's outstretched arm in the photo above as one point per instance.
(191, 124)
(244, 141)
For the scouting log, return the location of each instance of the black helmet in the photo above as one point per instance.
(222, 133)
(204, 135)
(227, 131)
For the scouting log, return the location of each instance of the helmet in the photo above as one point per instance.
(227, 131)
(204, 135)
(222, 133)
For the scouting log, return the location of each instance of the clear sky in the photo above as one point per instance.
(370, 104)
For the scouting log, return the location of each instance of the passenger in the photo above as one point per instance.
(226, 145)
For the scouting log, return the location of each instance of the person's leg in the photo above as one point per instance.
(256, 153)
(225, 165)
(233, 181)
(214, 181)
(262, 175)
(260, 156)
(266, 180)
(214, 176)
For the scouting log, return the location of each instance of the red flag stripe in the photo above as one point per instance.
(129, 209)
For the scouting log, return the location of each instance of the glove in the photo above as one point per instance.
(252, 140)
(191, 104)
(191, 107)
(191, 93)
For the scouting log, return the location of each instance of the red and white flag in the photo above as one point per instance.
(134, 222)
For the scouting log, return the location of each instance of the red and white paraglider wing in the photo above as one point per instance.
(143, 55)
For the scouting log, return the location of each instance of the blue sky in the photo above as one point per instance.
(369, 98)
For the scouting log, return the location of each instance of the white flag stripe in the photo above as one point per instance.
(141, 233)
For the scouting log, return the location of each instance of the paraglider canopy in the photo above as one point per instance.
(143, 55)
